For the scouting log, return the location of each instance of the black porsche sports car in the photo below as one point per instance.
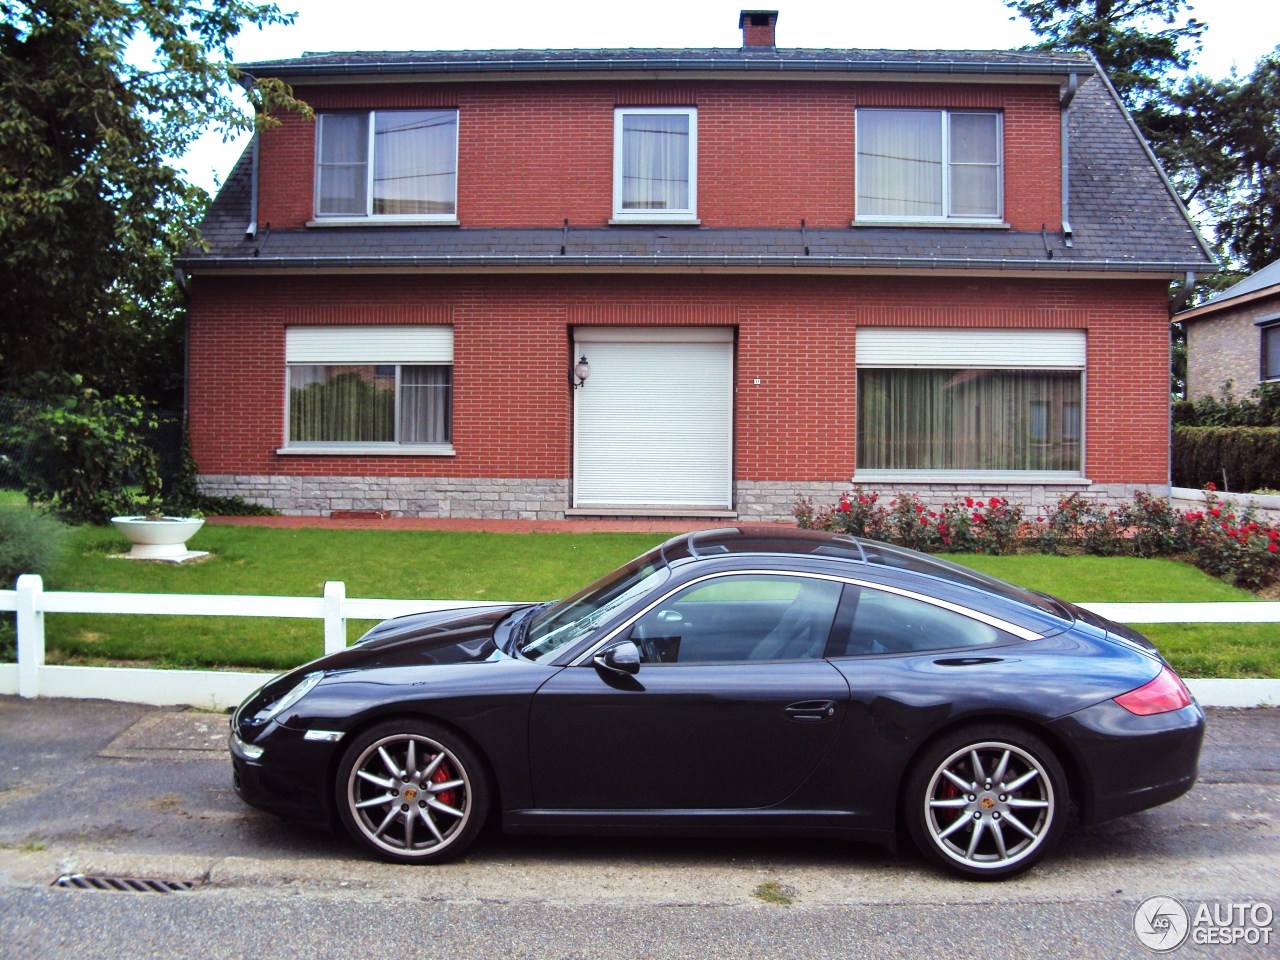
(735, 681)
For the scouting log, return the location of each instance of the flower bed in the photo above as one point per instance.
(1221, 539)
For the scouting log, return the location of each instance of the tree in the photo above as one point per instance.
(1139, 43)
(1222, 143)
(1219, 140)
(96, 96)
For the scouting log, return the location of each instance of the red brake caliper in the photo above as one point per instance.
(949, 791)
(442, 775)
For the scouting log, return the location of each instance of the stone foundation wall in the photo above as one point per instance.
(547, 499)
(1266, 506)
(773, 501)
(495, 498)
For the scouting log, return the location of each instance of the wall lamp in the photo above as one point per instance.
(578, 375)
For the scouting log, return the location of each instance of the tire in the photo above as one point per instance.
(411, 791)
(982, 827)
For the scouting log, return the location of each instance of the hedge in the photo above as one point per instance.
(1249, 455)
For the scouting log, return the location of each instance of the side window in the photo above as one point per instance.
(885, 622)
(745, 618)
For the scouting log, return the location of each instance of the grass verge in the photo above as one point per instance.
(492, 566)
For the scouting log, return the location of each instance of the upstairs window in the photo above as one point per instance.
(387, 163)
(655, 161)
(929, 165)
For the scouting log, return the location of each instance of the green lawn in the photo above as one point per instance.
(488, 566)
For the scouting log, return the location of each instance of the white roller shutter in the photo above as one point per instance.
(960, 348)
(360, 344)
(653, 424)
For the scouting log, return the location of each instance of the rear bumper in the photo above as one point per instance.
(1128, 763)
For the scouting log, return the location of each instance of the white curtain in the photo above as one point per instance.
(414, 161)
(342, 168)
(968, 420)
(900, 163)
(975, 165)
(426, 404)
(655, 161)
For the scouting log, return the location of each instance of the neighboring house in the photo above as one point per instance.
(782, 272)
(1234, 337)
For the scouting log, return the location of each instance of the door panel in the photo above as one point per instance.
(675, 736)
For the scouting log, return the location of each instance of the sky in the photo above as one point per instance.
(1240, 31)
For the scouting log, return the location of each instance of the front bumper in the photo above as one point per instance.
(1128, 763)
(284, 772)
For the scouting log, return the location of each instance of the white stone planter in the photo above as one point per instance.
(163, 539)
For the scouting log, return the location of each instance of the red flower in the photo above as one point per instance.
(1211, 485)
(1273, 547)
(1273, 534)
(844, 506)
(923, 521)
(968, 501)
(1215, 512)
(919, 508)
(948, 540)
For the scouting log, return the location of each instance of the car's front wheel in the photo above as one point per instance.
(986, 802)
(411, 792)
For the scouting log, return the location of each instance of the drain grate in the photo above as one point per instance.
(80, 881)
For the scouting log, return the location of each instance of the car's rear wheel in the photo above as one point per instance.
(411, 791)
(986, 802)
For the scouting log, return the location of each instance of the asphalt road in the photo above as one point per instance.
(121, 790)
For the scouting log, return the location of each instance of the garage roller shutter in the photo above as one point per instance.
(653, 425)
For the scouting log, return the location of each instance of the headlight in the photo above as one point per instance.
(305, 685)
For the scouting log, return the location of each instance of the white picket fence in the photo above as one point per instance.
(218, 689)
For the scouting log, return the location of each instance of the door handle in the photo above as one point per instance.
(811, 710)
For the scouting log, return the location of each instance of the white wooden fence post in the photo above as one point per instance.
(335, 624)
(30, 633)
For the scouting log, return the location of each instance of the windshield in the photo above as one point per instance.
(573, 618)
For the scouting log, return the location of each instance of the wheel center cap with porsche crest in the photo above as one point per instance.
(410, 793)
(988, 802)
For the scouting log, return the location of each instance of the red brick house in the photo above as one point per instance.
(780, 271)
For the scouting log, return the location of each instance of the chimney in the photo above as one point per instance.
(757, 28)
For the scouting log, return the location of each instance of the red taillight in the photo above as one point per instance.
(1163, 694)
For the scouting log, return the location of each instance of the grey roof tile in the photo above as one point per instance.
(1123, 215)
(745, 58)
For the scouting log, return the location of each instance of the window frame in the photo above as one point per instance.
(688, 215)
(353, 447)
(947, 217)
(350, 219)
(1264, 328)
(620, 631)
(882, 474)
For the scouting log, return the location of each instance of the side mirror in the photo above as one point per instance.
(622, 659)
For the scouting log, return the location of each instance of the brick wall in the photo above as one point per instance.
(769, 154)
(1227, 346)
(512, 406)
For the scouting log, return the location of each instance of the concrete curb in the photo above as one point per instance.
(1212, 692)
